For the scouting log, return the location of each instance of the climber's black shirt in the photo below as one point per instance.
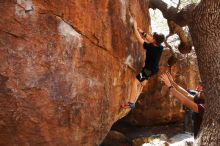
(153, 55)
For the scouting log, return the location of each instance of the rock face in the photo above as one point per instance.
(155, 105)
(66, 67)
(115, 138)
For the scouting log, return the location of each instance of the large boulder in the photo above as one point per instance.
(66, 67)
(115, 138)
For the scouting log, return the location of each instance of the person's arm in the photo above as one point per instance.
(179, 88)
(137, 34)
(183, 99)
(140, 30)
(148, 37)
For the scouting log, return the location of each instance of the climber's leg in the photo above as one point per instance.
(138, 84)
(129, 105)
(134, 91)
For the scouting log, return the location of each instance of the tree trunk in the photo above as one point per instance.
(205, 31)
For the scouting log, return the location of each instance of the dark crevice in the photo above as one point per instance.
(3, 86)
(18, 22)
(14, 35)
(97, 39)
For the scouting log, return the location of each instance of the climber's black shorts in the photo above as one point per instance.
(145, 74)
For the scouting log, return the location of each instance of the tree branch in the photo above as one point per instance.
(178, 5)
(186, 43)
(182, 17)
(176, 20)
(173, 58)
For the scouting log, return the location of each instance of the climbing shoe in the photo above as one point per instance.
(129, 105)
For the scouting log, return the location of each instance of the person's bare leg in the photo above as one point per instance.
(136, 90)
(135, 93)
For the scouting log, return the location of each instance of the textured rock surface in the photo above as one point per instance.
(66, 66)
(155, 105)
(115, 138)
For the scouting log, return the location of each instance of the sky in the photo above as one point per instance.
(158, 23)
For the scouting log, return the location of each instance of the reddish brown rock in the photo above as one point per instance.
(115, 138)
(66, 67)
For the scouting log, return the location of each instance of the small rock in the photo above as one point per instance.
(115, 138)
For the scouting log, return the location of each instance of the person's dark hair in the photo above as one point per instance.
(198, 100)
(159, 38)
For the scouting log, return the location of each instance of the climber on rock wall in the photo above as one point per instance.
(154, 49)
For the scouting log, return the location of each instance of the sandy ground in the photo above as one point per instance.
(164, 135)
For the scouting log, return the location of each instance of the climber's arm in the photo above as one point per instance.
(182, 91)
(148, 37)
(137, 34)
(183, 99)
(179, 88)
